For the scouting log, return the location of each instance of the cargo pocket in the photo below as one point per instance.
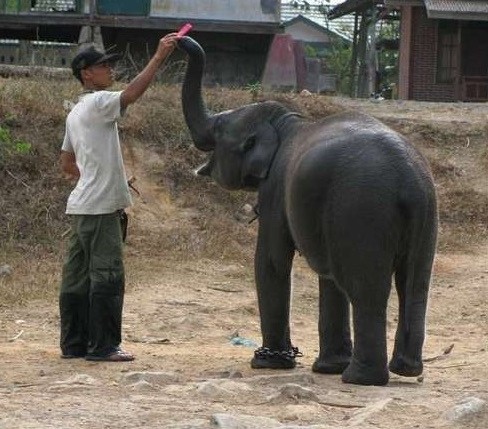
(107, 276)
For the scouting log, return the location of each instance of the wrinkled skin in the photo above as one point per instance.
(354, 198)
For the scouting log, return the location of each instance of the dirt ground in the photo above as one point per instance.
(185, 320)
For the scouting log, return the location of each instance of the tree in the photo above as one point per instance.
(388, 53)
(338, 61)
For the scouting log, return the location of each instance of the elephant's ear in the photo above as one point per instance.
(259, 151)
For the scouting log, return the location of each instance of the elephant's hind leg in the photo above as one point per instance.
(369, 360)
(412, 278)
(334, 331)
(407, 353)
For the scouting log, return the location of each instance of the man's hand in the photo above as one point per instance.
(140, 83)
(68, 165)
(166, 46)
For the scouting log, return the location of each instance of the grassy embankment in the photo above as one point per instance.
(189, 217)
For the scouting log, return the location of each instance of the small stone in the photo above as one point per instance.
(466, 407)
(239, 421)
(80, 379)
(5, 270)
(156, 378)
(247, 208)
(236, 374)
(222, 388)
(294, 392)
(143, 385)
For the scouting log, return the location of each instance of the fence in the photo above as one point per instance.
(22, 6)
(474, 88)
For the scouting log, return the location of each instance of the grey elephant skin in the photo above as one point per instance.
(354, 198)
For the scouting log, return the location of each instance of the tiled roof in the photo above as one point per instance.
(462, 6)
(470, 10)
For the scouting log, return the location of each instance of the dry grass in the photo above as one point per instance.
(484, 157)
(458, 159)
(189, 217)
(35, 275)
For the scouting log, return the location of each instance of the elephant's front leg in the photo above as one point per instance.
(334, 331)
(273, 261)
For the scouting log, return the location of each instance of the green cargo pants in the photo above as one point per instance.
(92, 287)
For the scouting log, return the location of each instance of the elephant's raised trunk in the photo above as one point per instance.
(194, 109)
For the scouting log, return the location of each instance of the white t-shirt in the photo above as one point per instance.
(92, 135)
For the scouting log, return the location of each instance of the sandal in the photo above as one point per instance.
(118, 355)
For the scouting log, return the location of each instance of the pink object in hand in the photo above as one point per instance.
(184, 30)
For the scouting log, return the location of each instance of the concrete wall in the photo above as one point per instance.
(36, 53)
(232, 59)
(227, 10)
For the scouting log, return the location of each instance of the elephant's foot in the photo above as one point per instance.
(357, 373)
(331, 364)
(274, 359)
(405, 367)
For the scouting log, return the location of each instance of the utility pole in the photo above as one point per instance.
(354, 59)
(93, 5)
(366, 52)
(91, 34)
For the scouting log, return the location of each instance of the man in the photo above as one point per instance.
(92, 287)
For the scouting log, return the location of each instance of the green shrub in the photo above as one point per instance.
(10, 147)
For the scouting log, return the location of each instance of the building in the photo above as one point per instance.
(443, 49)
(317, 11)
(236, 35)
(367, 74)
(314, 35)
(296, 58)
(303, 46)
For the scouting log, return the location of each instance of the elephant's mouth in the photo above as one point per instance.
(250, 183)
(247, 183)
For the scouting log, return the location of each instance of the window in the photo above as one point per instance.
(447, 51)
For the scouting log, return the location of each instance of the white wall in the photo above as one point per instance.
(306, 33)
(228, 10)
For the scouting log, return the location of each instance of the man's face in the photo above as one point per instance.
(98, 76)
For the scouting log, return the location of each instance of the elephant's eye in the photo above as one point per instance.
(249, 143)
(218, 124)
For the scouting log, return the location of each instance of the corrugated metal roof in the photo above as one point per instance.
(462, 6)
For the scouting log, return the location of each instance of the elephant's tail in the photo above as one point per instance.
(416, 268)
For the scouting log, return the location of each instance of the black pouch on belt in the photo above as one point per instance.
(124, 221)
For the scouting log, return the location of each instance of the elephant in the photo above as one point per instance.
(354, 198)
